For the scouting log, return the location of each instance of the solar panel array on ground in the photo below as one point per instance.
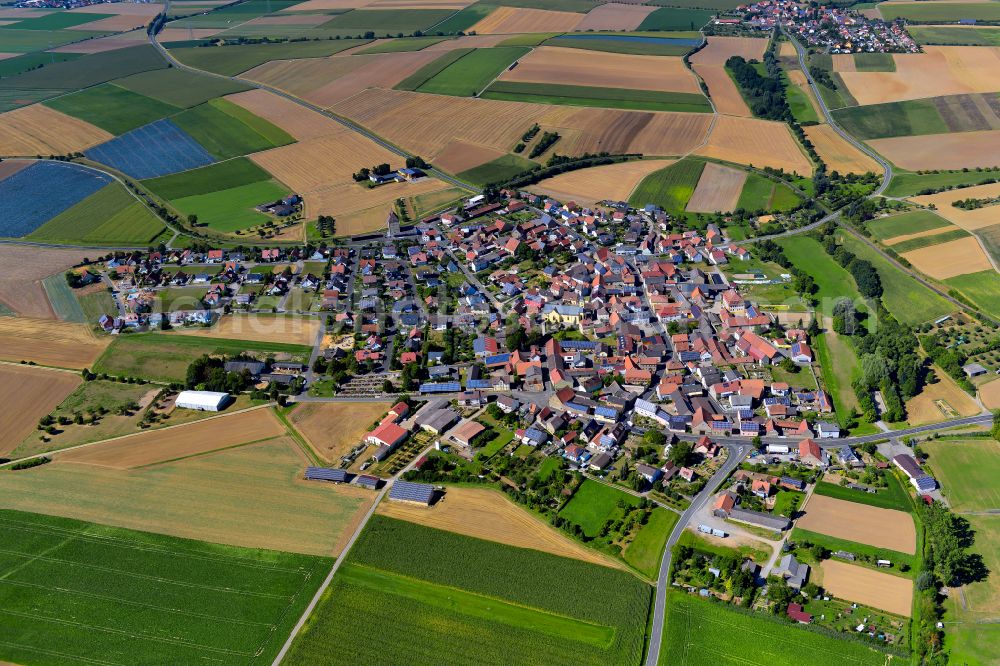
(326, 474)
(157, 149)
(407, 491)
(36, 194)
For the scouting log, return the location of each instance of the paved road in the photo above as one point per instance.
(737, 454)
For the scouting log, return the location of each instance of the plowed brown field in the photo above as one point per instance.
(837, 153)
(158, 446)
(756, 142)
(865, 586)
(27, 394)
(487, 514)
(718, 189)
(332, 429)
(610, 181)
(882, 528)
(945, 260)
(549, 64)
(297, 120)
(615, 16)
(54, 343)
(39, 130)
(509, 20)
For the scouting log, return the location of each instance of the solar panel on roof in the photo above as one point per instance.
(441, 387)
(325, 474)
(411, 492)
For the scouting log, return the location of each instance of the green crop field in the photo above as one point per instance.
(180, 87)
(12, 99)
(614, 98)
(702, 633)
(212, 178)
(630, 47)
(404, 44)
(593, 505)
(763, 194)
(474, 71)
(833, 281)
(232, 209)
(909, 301)
(77, 592)
(463, 19)
(954, 35)
(908, 183)
(968, 470)
(833, 543)
(515, 605)
(981, 288)
(28, 41)
(111, 108)
(874, 62)
(165, 357)
(110, 216)
(952, 113)
(236, 14)
(893, 496)
(529, 39)
(61, 20)
(431, 69)
(646, 550)
(232, 60)
(698, 4)
(990, 236)
(96, 304)
(673, 18)
(382, 23)
(837, 362)
(22, 63)
(227, 130)
(905, 223)
(87, 71)
(834, 98)
(927, 241)
(670, 188)
(63, 301)
(798, 101)
(498, 170)
(940, 12)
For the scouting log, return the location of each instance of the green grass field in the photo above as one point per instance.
(498, 170)
(837, 362)
(717, 547)
(874, 62)
(212, 178)
(60, 20)
(614, 98)
(470, 74)
(180, 87)
(529, 39)
(990, 236)
(674, 18)
(798, 101)
(763, 194)
(833, 543)
(22, 63)
(670, 188)
(927, 241)
(77, 592)
(110, 216)
(951, 113)
(30, 41)
(515, 605)
(968, 470)
(593, 504)
(646, 550)
(939, 12)
(833, 281)
(955, 35)
(63, 301)
(112, 108)
(630, 47)
(232, 209)
(463, 19)
(909, 301)
(893, 496)
(698, 4)
(164, 357)
(87, 71)
(701, 633)
(96, 304)
(431, 69)
(905, 223)
(833, 98)
(235, 14)
(404, 44)
(232, 60)
(228, 130)
(981, 288)
(907, 183)
(398, 22)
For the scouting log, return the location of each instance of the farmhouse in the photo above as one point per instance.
(206, 401)
(792, 571)
(922, 481)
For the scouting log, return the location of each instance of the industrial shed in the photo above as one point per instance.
(206, 401)
(416, 493)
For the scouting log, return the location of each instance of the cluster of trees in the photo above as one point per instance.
(949, 359)
(326, 225)
(548, 138)
(378, 170)
(764, 94)
(691, 567)
(973, 204)
(526, 138)
(802, 282)
(211, 374)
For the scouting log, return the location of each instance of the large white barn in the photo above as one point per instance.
(206, 401)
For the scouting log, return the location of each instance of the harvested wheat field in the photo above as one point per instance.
(167, 444)
(22, 268)
(251, 496)
(970, 220)
(486, 514)
(718, 189)
(332, 429)
(942, 151)
(297, 120)
(722, 91)
(787, 50)
(28, 394)
(710, 62)
(103, 44)
(359, 209)
(382, 70)
(936, 400)
(468, 42)
(945, 260)
(720, 49)
(48, 342)
(614, 16)
(882, 528)
(866, 586)
(39, 130)
(262, 328)
(609, 181)
(550, 64)
(510, 20)
(989, 393)
(939, 70)
(838, 154)
(410, 119)
(316, 163)
(756, 142)
(844, 62)
(301, 76)
(460, 156)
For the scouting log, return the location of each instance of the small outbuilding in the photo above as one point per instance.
(206, 401)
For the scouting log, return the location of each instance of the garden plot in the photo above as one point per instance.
(36, 194)
(718, 189)
(756, 142)
(871, 588)
(882, 528)
(158, 149)
(512, 20)
(39, 130)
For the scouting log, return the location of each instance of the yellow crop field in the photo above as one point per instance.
(359, 209)
(872, 588)
(332, 429)
(45, 342)
(509, 20)
(720, 49)
(615, 16)
(837, 153)
(724, 93)
(262, 328)
(297, 120)
(459, 156)
(756, 142)
(610, 181)
(970, 220)
(27, 394)
(924, 408)
(39, 130)
(942, 151)
(946, 260)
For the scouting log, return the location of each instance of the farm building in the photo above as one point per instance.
(206, 401)
(326, 474)
(466, 431)
(388, 434)
(414, 493)
(793, 571)
(922, 481)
